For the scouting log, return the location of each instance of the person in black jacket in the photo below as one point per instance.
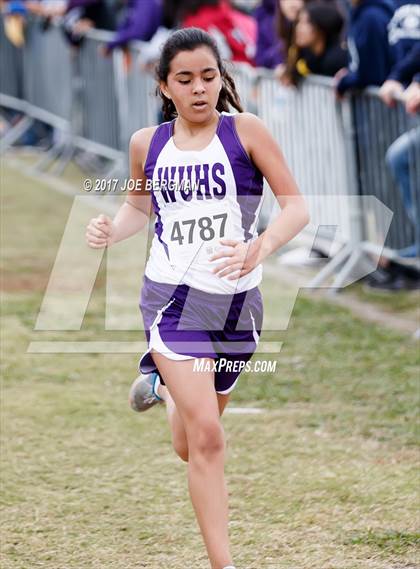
(83, 15)
(78, 16)
(318, 32)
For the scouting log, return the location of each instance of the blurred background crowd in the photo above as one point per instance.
(357, 43)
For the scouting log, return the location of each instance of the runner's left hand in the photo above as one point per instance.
(240, 259)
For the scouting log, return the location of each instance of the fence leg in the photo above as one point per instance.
(65, 158)
(116, 170)
(330, 267)
(346, 270)
(49, 157)
(15, 133)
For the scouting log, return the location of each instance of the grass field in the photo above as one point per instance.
(326, 478)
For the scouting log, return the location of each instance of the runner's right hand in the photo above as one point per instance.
(99, 232)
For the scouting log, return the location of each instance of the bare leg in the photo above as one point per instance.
(179, 436)
(196, 407)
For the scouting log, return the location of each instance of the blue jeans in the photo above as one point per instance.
(402, 158)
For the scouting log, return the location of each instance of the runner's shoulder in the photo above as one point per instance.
(250, 129)
(141, 139)
(247, 122)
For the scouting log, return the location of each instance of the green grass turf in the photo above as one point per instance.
(326, 479)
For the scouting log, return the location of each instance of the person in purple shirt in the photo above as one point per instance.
(270, 49)
(143, 18)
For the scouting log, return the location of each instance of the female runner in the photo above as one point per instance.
(202, 171)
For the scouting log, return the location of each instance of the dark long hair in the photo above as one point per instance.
(286, 29)
(328, 19)
(189, 39)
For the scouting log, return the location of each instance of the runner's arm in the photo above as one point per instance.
(268, 158)
(135, 212)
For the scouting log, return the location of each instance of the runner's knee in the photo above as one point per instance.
(206, 438)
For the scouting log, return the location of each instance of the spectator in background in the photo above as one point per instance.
(345, 8)
(234, 31)
(142, 19)
(404, 34)
(83, 15)
(16, 11)
(402, 155)
(371, 55)
(401, 160)
(404, 83)
(246, 6)
(78, 16)
(14, 22)
(317, 38)
(411, 95)
(170, 11)
(391, 276)
(270, 48)
(287, 15)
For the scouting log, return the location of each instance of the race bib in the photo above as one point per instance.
(194, 236)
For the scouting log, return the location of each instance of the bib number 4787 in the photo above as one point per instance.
(202, 229)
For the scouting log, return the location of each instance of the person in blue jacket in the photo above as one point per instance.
(143, 18)
(371, 55)
(403, 83)
(404, 34)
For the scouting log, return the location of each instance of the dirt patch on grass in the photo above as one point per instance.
(12, 282)
(365, 308)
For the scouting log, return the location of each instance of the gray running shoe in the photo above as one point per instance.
(143, 394)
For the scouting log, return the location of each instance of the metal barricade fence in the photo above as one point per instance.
(47, 74)
(98, 96)
(310, 128)
(105, 100)
(245, 78)
(143, 105)
(377, 127)
(41, 81)
(37, 78)
(61, 85)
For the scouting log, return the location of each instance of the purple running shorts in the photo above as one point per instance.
(185, 323)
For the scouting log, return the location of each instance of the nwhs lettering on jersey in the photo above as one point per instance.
(204, 181)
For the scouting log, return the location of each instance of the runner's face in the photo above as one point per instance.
(194, 84)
